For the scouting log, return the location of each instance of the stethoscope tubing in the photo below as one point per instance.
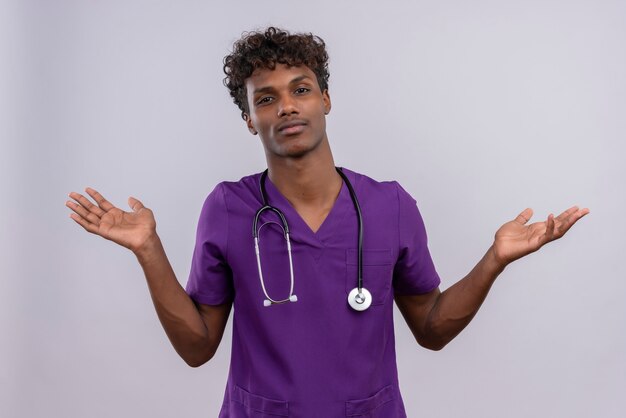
(285, 226)
(357, 207)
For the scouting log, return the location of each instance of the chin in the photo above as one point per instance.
(295, 153)
(297, 150)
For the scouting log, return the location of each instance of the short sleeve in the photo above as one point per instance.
(414, 272)
(210, 278)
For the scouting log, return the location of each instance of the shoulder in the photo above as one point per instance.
(244, 184)
(248, 185)
(234, 196)
(368, 186)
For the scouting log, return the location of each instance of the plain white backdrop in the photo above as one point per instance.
(480, 109)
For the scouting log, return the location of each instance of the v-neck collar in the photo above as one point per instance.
(298, 228)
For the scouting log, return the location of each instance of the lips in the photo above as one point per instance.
(292, 127)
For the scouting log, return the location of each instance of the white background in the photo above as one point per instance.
(479, 109)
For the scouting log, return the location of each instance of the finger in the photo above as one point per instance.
(567, 213)
(582, 213)
(524, 216)
(550, 228)
(135, 204)
(84, 202)
(83, 213)
(579, 214)
(100, 200)
(567, 223)
(89, 227)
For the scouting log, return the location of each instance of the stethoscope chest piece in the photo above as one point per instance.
(360, 301)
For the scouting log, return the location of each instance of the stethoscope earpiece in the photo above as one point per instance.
(292, 298)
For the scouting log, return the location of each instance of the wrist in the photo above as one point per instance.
(494, 262)
(149, 249)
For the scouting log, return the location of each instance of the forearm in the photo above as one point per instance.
(457, 305)
(178, 314)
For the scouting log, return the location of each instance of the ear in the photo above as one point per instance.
(326, 100)
(248, 120)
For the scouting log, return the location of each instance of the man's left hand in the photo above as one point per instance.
(515, 239)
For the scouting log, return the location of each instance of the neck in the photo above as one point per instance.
(309, 181)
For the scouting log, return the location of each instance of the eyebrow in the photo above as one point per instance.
(296, 80)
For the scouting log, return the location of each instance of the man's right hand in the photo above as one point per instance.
(195, 331)
(132, 230)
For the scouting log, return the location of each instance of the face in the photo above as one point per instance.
(288, 110)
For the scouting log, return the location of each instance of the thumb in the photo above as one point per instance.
(135, 204)
(524, 217)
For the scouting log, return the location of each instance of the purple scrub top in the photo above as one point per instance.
(316, 357)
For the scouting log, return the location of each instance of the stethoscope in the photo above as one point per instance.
(359, 298)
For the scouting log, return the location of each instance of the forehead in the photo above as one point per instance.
(281, 75)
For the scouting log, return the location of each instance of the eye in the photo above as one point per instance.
(302, 90)
(264, 100)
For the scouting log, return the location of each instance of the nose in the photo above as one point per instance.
(288, 106)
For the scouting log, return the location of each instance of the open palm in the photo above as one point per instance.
(515, 239)
(129, 229)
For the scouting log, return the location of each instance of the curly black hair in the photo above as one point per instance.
(264, 50)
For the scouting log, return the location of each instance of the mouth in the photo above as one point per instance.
(292, 127)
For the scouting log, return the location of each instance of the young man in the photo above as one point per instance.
(312, 293)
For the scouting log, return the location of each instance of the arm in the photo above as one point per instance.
(437, 317)
(194, 331)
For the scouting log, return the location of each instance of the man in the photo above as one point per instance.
(313, 319)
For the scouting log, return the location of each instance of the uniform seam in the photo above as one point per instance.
(223, 190)
(398, 219)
